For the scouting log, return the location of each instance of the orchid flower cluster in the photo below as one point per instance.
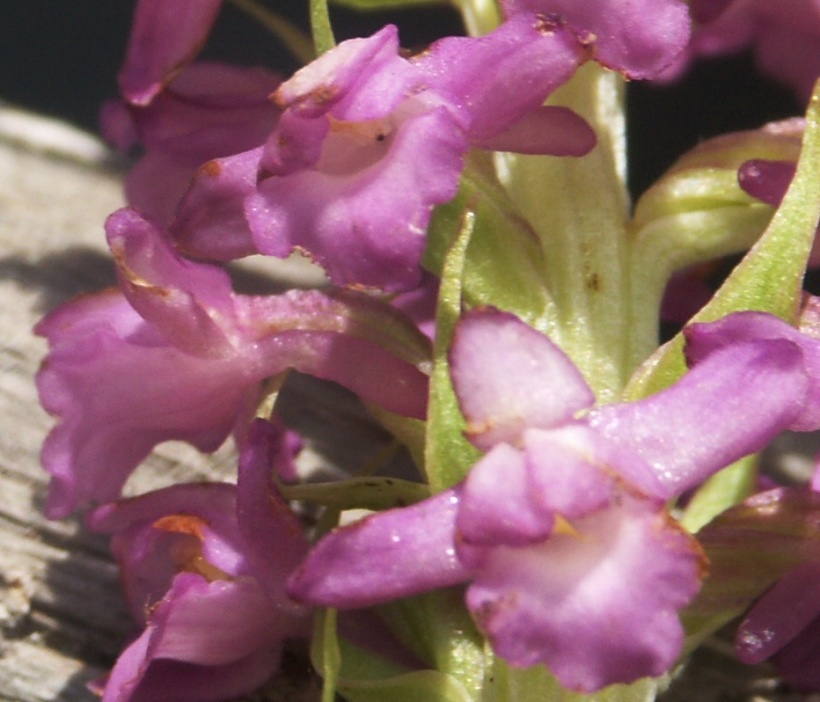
(588, 507)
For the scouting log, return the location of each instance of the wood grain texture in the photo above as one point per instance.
(62, 617)
(61, 614)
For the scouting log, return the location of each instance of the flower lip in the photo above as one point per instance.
(204, 566)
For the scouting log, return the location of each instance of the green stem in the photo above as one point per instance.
(320, 26)
(579, 209)
(673, 243)
(480, 16)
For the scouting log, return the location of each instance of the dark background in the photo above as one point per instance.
(60, 57)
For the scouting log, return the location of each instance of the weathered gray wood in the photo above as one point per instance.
(62, 618)
(61, 614)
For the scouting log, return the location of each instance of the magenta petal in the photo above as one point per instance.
(598, 606)
(121, 683)
(636, 37)
(212, 623)
(122, 382)
(166, 35)
(204, 641)
(362, 153)
(176, 296)
(157, 533)
(686, 292)
(766, 180)
(156, 183)
(557, 131)
(703, 11)
(205, 585)
(274, 535)
(798, 662)
(788, 48)
(209, 110)
(167, 680)
(362, 211)
(119, 390)
(210, 220)
(360, 79)
(330, 336)
(572, 471)
(201, 577)
(243, 531)
(298, 145)
(729, 405)
(209, 623)
(419, 304)
(495, 81)
(704, 339)
(781, 614)
(116, 125)
(512, 497)
(509, 377)
(504, 511)
(393, 554)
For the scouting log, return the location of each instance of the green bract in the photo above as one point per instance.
(770, 276)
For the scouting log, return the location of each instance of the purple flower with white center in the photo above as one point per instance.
(638, 38)
(356, 165)
(561, 528)
(166, 35)
(176, 355)
(204, 568)
(369, 142)
(207, 111)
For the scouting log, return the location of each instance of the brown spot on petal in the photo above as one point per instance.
(548, 23)
(362, 288)
(186, 553)
(130, 277)
(477, 428)
(586, 38)
(324, 94)
(665, 522)
(182, 524)
(491, 609)
(134, 282)
(320, 96)
(211, 169)
(278, 100)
